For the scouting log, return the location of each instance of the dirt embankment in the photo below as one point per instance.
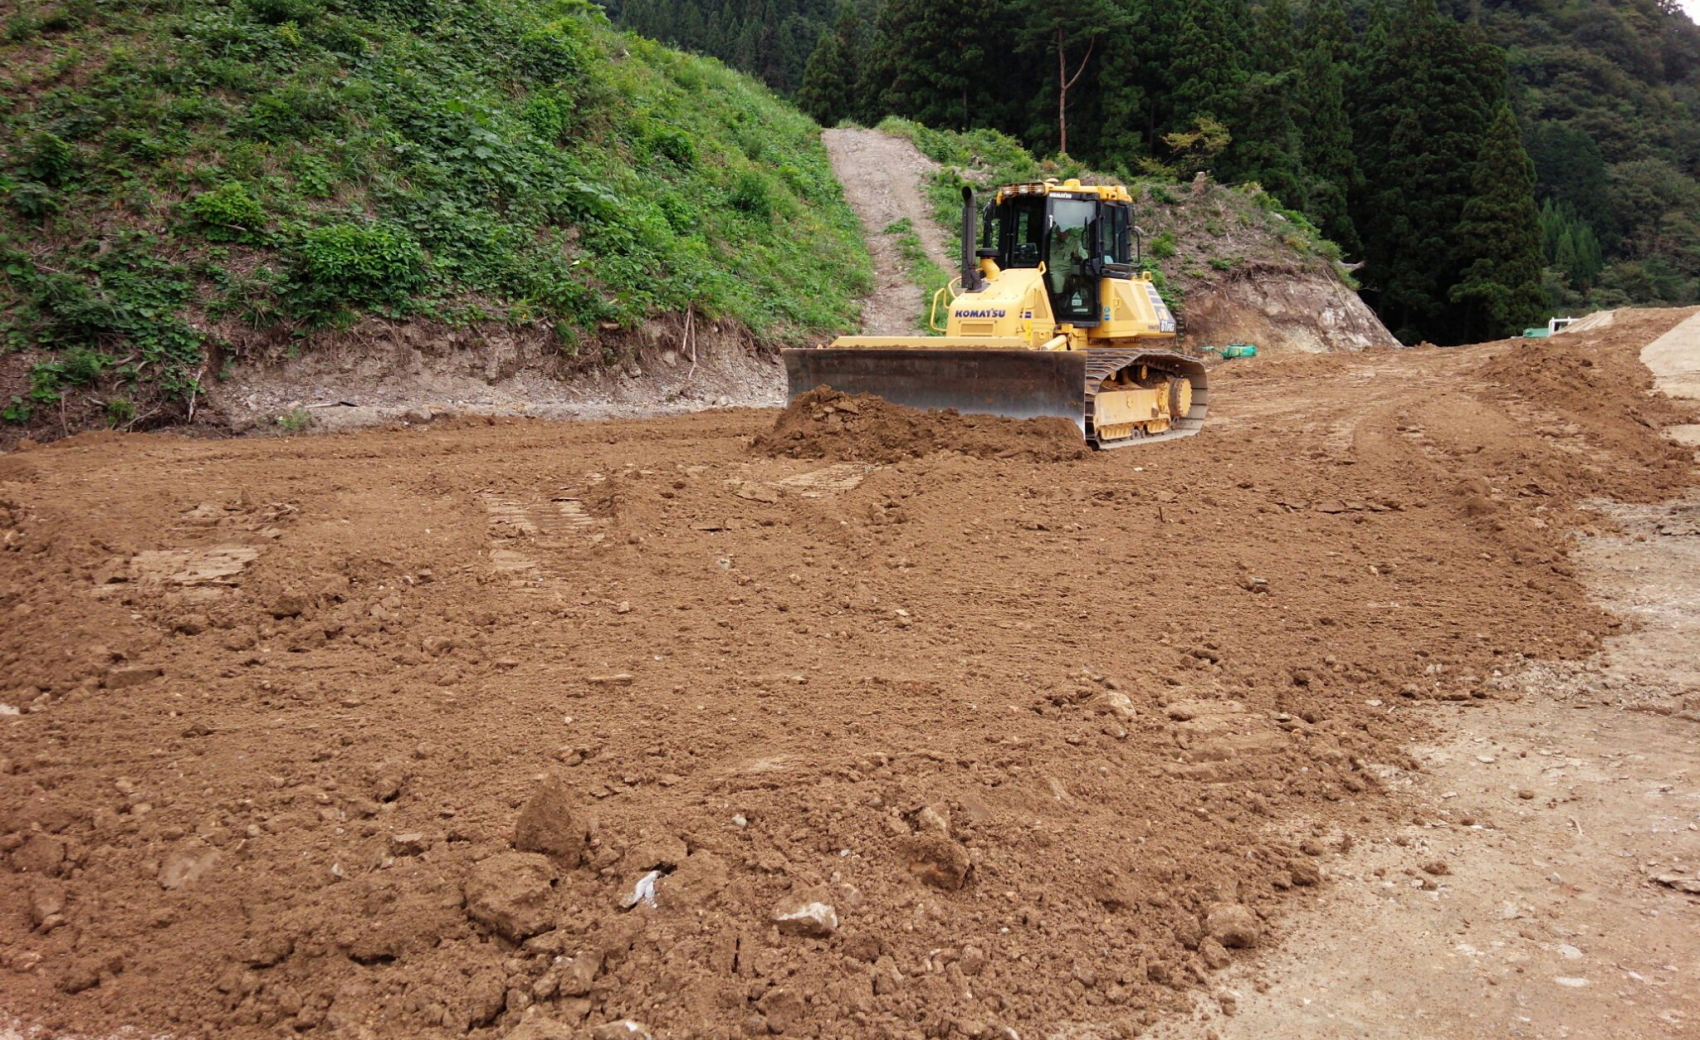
(1279, 308)
(410, 372)
(416, 372)
(382, 734)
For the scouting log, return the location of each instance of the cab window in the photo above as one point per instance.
(1022, 231)
(1119, 240)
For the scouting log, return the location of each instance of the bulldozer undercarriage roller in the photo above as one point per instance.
(1141, 396)
(1118, 397)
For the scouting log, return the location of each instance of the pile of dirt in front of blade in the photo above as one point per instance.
(826, 424)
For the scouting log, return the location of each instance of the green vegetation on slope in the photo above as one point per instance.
(182, 174)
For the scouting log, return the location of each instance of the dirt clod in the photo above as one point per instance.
(513, 893)
(187, 863)
(541, 1028)
(47, 903)
(551, 823)
(124, 678)
(938, 861)
(1234, 926)
(806, 912)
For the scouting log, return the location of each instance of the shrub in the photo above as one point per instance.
(31, 199)
(316, 176)
(339, 35)
(357, 264)
(546, 116)
(296, 420)
(552, 53)
(292, 112)
(50, 160)
(279, 12)
(227, 213)
(19, 28)
(750, 194)
(675, 145)
(1163, 246)
(80, 366)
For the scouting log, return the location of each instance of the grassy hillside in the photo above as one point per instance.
(1191, 237)
(185, 179)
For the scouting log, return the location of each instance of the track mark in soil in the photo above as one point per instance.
(844, 476)
(533, 524)
(200, 572)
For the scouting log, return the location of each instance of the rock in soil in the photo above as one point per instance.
(806, 912)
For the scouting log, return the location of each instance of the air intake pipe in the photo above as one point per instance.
(970, 263)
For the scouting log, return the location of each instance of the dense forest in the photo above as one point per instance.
(770, 39)
(1489, 161)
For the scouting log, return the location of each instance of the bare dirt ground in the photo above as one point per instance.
(882, 175)
(507, 728)
(1567, 814)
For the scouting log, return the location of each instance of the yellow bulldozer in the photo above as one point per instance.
(1052, 314)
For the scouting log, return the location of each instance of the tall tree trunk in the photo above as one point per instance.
(1062, 94)
(1064, 81)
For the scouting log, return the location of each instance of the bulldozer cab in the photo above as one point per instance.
(1079, 238)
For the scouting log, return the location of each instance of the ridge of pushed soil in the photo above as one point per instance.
(504, 728)
(826, 424)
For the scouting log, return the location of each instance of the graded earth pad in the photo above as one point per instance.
(523, 729)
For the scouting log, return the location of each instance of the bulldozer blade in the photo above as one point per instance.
(1018, 384)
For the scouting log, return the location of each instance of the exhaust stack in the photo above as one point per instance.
(970, 264)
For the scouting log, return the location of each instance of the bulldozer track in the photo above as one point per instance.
(1101, 364)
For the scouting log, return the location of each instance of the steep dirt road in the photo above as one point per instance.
(882, 178)
(381, 734)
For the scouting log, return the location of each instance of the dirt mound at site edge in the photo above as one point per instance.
(827, 424)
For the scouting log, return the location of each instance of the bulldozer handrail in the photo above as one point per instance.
(954, 287)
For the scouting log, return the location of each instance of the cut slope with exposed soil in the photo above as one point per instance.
(463, 730)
